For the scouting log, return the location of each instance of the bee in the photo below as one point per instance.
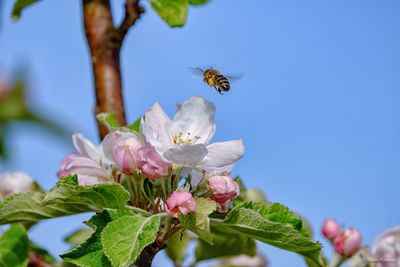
(215, 79)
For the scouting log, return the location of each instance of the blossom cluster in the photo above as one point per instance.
(175, 148)
(346, 242)
(384, 252)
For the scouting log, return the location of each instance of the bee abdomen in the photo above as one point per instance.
(223, 82)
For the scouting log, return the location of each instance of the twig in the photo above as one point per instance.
(132, 13)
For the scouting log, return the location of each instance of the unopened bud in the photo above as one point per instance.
(347, 243)
(223, 188)
(121, 148)
(180, 203)
(152, 164)
(330, 229)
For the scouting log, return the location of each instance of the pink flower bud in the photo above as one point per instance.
(347, 243)
(125, 154)
(152, 164)
(223, 188)
(121, 148)
(89, 172)
(15, 182)
(224, 206)
(180, 203)
(330, 229)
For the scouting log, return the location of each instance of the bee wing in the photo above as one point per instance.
(196, 70)
(234, 77)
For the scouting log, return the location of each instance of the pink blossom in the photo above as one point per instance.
(152, 164)
(386, 248)
(330, 229)
(180, 203)
(224, 206)
(347, 243)
(15, 182)
(88, 171)
(125, 154)
(223, 188)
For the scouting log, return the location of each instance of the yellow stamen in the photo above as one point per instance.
(179, 139)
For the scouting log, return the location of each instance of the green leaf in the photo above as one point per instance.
(28, 208)
(65, 198)
(135, 126)
(198, 222)
(176, 247)
(109, 120)
(225, 245)
(275, 212)
(124, 239)
(20, 5)
(90, 253)
(14, 247)
(100, 196)
(197, 2)
(273, 224)
(172, 12)
(78, 236)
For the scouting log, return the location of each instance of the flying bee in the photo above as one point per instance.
(215, 79)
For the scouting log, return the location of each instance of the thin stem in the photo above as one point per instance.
(138, 210)
(337, 260)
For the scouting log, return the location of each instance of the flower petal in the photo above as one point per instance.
(85, 147)
(195, 116)
(152, 138)
(222, 154)
(113, 138)
(155, 126)
(186, 155)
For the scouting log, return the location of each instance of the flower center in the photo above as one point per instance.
(181, 139)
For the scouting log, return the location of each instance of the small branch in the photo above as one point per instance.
(148, 253)
(337, 260)
(132, 13)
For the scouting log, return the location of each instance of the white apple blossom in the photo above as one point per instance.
(184, 140)
(15, 182)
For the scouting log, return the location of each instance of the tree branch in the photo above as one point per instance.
(132, 13)
(105, 42)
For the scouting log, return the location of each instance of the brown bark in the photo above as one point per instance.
(105, 41)
(148, 253)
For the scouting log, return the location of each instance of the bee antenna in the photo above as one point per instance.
(199, 69)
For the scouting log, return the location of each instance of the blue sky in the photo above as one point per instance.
(318, 106)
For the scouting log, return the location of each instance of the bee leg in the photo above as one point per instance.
(218, 90)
